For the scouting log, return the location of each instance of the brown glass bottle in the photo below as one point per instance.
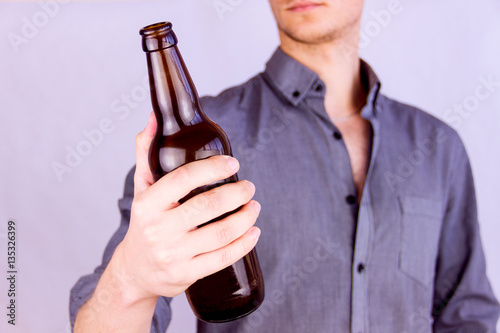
(185, 134)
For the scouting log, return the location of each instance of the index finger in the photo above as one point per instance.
(178, 183)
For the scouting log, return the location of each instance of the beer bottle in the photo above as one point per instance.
(185, 134)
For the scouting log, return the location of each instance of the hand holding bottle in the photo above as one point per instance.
(164, 252)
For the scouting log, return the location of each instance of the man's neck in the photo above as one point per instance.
(337, 65)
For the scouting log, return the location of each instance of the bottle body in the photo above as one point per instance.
(184, 134)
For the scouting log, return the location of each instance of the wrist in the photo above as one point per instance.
(122, 286)
(115, 306)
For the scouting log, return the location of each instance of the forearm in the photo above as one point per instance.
(112, 309)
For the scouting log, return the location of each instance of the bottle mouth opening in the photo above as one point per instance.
(157, 36)
(156, 28)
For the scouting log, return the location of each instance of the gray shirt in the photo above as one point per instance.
(408, 258)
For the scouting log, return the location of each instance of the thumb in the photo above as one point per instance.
(143, 177)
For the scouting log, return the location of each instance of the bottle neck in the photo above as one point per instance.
(174, 97)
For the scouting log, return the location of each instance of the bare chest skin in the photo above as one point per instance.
(356, 134)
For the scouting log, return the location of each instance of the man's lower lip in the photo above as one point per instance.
(303, 8)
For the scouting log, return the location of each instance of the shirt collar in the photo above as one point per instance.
(370, 79)
(295, 80)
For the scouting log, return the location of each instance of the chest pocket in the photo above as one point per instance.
(420, 230)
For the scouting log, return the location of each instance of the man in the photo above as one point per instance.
(354, 237)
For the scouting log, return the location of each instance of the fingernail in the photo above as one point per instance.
(255, 232)
(251, 186)
(233, 163)
(256, 206)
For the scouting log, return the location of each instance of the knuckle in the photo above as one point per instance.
(225, 257)
(174, 276)
(188, 211)
(151, 236)
(212, 201)
(190, 277)
(168, 263)
(181, 175)
(223, 233)
(245, 246)
(166, 259)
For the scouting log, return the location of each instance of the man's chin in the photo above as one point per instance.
(312, 36)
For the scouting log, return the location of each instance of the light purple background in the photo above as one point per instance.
(71, 72)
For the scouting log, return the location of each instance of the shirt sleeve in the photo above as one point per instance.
(85, 286)
(463, 298)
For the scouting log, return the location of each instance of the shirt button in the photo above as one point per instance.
(350, 199)
(361, 268)
(318, 88)
(296, 93)
(337, 135)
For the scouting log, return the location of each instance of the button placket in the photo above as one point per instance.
(350, 199)
(359, 276)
